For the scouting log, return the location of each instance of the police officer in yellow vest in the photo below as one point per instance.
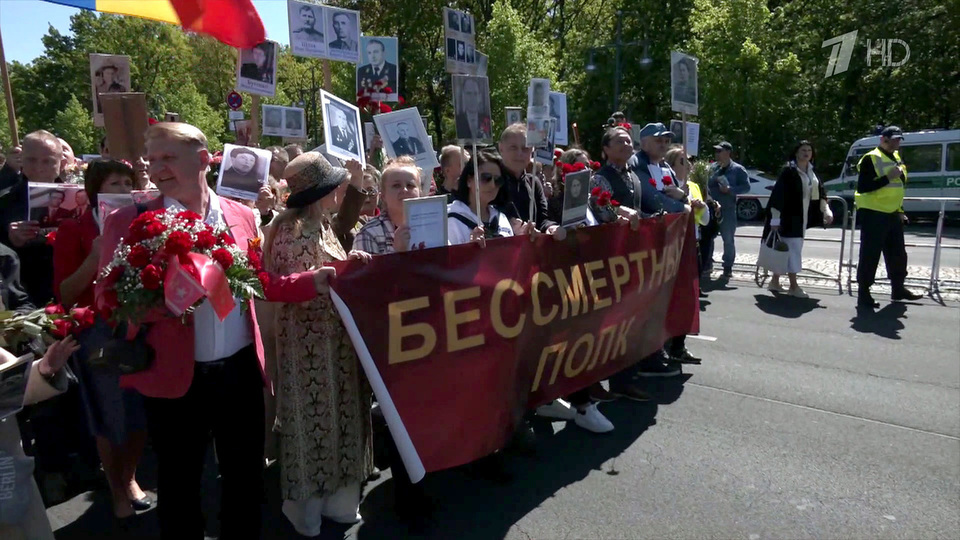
(879, 200)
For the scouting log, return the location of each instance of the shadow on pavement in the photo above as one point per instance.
(721, 284)
(786, 306)
(884, 323)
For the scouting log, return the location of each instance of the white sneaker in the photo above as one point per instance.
(591, 419)
(558, 408)
(775, 287)
(798, 293)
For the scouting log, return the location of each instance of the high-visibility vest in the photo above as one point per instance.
(889, 198)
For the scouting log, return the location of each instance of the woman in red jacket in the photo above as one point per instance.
(116, 416)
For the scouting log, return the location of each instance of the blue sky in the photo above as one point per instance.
(24, 22)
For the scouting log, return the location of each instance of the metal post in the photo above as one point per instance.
(619, 48)
(853, 241)
(843, 238)
(935, 268)
(313, 102)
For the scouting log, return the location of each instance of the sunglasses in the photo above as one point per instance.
(487, 177)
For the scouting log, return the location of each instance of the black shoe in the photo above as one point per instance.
(684, 357)
(703, 294)
(524, 440)
(865, 300)
(728, 273)
(141, 504)
(630, 391)
(905, 294)
(658, 369)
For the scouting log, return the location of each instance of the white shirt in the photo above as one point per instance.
(214, 339)
(656, 172)
(459, 233)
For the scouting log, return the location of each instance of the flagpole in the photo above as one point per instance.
(11, 110)
(476, 180)
(255, 122)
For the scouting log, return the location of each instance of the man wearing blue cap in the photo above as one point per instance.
(879, 200)
(657, 179)
(727, 180)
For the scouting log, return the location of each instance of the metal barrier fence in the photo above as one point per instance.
(934, 284)
(760, 274)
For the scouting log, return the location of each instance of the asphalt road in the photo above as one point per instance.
(805, 420)
(917, 238)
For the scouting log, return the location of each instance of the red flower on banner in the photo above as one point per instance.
(51, 237)
(139, 256)
(206, 239)
(224, 257)
(54, 309)
(387, 90)
(178, 243)
(151, 277)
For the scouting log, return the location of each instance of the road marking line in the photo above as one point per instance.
(807, 407)
(701, 337)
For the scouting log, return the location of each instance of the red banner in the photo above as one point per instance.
(466, 339)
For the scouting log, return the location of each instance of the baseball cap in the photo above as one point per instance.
(655, 130)
(723, 145)
(892, 132)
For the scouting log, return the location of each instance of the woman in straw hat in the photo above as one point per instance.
(323, 403)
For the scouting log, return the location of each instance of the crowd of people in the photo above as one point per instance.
(281, 381)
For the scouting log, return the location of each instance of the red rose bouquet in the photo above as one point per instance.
(174, 259)
(48, 324)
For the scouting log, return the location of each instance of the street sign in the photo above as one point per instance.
(234, 100)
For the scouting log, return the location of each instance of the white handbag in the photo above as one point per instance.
(774, 254)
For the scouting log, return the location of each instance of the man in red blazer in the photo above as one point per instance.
(207, 376)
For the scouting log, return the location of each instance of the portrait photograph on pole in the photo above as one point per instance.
(404, 134)
(243, 172)
(257, 69)
(471, 101)
(460, 36)
(341, 128)
(306, 24)
(683, 83)
(109, 74)
(343, 34)
(378, 66)
(558, 111)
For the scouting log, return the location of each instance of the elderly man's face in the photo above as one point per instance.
(69, 158)
(341, 25)
(177, 168)
(460, 49)
(402, 130)
(375, 53)
(538, 94)
(41, 160)
(307, 18)
(259, 57)
(243, 163)
(340, 119)
(471, 96)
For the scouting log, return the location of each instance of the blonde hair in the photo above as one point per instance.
(673, 155)
(177, 131)
(519, 129)
(569, 157)
(402, 162)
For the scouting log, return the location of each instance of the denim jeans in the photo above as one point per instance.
(728, 228)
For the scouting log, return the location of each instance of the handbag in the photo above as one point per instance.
(107, 348)
(774, 254)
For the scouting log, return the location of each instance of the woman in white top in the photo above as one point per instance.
(798, 201)
(463, 224)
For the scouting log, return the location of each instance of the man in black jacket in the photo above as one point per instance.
(521, 185)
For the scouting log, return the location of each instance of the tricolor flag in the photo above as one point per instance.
(234, 22)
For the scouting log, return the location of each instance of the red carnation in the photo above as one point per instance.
(139, 256)
(256, 262)
(84, 317)
(384, 108)
(653, 182)
(557, 152)
(603, 199)
(363, 102)
(61, 328)
(577, 167)
(154, 230)
(225, 238)
(51, 237)
(387, 90)
(596, 191)
(54, 309)
(224, 257)
(614, 203)
(667, 180)
(401, 101)
(595, 165)
(178, 243)
(264, 279)
(151, 277)
(190, 215)
(206, 239)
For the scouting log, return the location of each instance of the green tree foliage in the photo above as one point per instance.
(74, 125)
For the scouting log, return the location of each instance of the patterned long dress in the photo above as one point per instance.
(323, 399)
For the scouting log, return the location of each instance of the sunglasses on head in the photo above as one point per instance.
(487, 177)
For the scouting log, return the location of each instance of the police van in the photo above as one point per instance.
(933, 169)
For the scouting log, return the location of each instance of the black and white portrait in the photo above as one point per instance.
(272, 120)
(257, 69)
(405, 134)
(544, 153)
(481, 64)
(470, 57)
(683, 83)
(453, 20)
(109, 73)
(293, 122)
(558, 111)
(378, 66)
(538, 92)
(514, 115)
(471, 98)
(341, 128)
(451, 48)
(283, 121)
(466, 23)
(306, 23)
(461, 51)
(676, 127)
(576, 194)
(343, 34)
(243, 172)
(458, 30)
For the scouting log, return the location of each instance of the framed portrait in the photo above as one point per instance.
(51, 204)
(683, 83)
(109, 73)
(341, 128)
(544, 154)
(576, 195)
(243, 171)
(538, 131)
(471, 101)
(404, 134)
(307, 25)
(481, 65)
(538, 98)
(257, 69)
(283, 121)
(343, 34)
(427, 219)
(379, 59)
(459, 32)
(558, 111)
(514, 115)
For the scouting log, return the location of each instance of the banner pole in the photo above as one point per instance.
(401, 437)
(327, 76)
(533, 207)
(11, 110)
(683, 135)
(476, 180)
(255, 122)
